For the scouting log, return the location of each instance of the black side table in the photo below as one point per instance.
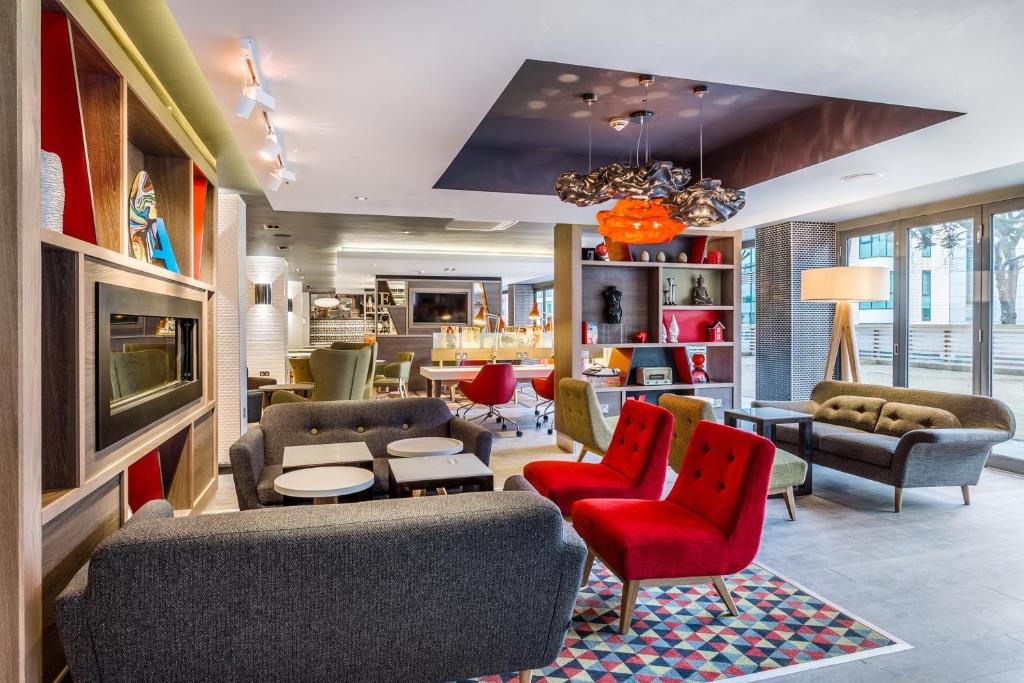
(765, 419)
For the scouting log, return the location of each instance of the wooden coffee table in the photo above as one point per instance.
(765, 420)
(437, 472)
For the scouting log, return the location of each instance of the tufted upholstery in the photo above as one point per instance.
(634, 466)
(377, 423)
(856, 412)
(580, 415)
(899, 418)
(710, 523)
(687, 411)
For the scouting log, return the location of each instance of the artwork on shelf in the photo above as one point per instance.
(51, 191)
(660, 258)
(612, 305)
(713, 257)
(589, 333)
(166, 327)
(147, 234)
(645, 256)
(641, 336)
(696, 362)
(701, 296)
(601, 252)
(588, 254)
(673, 331)
(716, 332)
(682, 257)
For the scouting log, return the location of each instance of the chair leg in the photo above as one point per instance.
(966, 490)
(525, 676)
(723, 592)
(899, 499)
(583, 452)
(629, 591)
(790, 502)
(588, 566)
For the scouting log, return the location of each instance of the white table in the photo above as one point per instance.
(424, 446)
(323, 484)
(350, 453)
(436, 375)
(432, 472)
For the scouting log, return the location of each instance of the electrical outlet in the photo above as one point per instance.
(264, 373)
(717, 403)
(605, 409)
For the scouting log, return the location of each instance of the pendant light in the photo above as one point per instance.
(706, 202)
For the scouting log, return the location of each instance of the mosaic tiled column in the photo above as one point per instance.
(231, 305)
(792, 335)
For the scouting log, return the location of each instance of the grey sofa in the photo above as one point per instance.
(256, 457)
(422, 589)
(906, 438)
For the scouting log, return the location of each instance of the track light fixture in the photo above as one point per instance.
(254, 94)
(271, 148)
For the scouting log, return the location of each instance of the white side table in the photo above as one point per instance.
(349, 453)
(323, 484)
(424, 446)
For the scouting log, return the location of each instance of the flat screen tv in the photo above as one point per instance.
(435, 307)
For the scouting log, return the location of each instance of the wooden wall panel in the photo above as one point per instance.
(176, 469)
(102, 115)
(204, 457)
(172, 180)
(68, 541)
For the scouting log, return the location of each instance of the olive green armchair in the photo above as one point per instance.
(582, 419)
(372, 370)
(395, 377)
(337, 376)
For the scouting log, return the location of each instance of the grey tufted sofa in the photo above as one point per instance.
(906, 438)
(420, 589)
(256, 457)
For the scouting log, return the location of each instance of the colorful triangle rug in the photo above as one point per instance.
(685, 634)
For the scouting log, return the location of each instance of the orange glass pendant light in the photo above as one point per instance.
(638, 221)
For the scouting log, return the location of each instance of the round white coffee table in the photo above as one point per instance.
(323, 484)
(424, 446)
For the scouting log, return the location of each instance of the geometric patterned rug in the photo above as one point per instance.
(685, 634)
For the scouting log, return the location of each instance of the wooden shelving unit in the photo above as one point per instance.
(103, 118)
(579, 285)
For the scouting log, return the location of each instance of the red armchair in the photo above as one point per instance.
(493, 386)
(633, 466)
(709, 526)
(545, 388)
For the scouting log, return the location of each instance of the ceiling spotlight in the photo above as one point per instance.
(449, 269)
(618, 123)
(283, 247)
(859, 177)
(271, 148)
(271, 226)
(253, 96)
(407, 232)
(275, 182)
(360, 198)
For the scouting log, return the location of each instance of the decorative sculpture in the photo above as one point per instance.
(673, 331)
(701, 295)
(655, 180)
(147, 234)
(612, 305)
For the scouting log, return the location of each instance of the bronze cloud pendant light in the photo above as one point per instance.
(706, 202)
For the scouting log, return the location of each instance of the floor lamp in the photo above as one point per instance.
(844, 285)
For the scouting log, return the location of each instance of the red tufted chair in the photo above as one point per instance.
(633, 467)
(493, 386)
(545, 388)
(709, 526)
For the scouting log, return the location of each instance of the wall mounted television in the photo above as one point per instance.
(432, 307)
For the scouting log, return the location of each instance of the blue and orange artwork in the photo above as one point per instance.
(147, 234)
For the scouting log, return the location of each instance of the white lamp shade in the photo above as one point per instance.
(847, 283)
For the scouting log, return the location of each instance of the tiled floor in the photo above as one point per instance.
(947, 578)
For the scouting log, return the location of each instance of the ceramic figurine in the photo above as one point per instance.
(664, 334)
(612, 305)
(701, 295)
(660, 258)
(673, 331)
(682, 257)
(645, 256)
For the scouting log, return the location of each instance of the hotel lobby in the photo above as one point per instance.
(379, 341)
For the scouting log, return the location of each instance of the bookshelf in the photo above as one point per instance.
(579, 285)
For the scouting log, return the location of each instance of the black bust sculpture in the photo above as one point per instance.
(612, 305)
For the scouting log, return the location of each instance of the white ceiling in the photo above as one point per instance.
(357, 270)
(376, 98)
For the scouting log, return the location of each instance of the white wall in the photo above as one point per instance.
(298, 319)
(266, 325)
(231, 306)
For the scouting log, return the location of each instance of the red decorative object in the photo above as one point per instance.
(693, 324)
(589, 333)
(713, 257)
(145, 482)
(641, 336)
(709, 525)
(716, 332)
(698, 375)
(601, 252)
(638, 221)
(198, 215)
(633, 467)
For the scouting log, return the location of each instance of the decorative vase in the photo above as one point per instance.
(713, 257)
(51, 191)
(682, 258)
(645, 255)
(673, 331)
(660, 258)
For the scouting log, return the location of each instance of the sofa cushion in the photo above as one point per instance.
(899, 418)
(790, 434)
(870, 448)
(856, 412)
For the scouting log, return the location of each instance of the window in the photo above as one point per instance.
(748, 328)
(926, 242)
(881, 305)
(926, 295)
(748, 287)
(545, 299)
(878, 245)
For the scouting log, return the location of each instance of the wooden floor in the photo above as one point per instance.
(945, 577)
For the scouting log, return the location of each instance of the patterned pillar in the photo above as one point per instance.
(231, 304)
(792, 335)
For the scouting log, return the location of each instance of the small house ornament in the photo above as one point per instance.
(716, 332)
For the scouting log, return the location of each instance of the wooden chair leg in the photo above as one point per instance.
(967, 494)
(723, 592)
(583, 451)
(790, 502)
(629, 591)
(525, 676)
(587, 567)
(899, 499)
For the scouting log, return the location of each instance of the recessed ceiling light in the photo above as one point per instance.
(420, 272)
(282, 235)
(283, 247)
(568, 78)
(449, 269)
(271, 226)
(407, 232)
(360, 198)
(858, 177)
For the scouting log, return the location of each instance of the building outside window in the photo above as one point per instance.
(545, 299)
(926, 295)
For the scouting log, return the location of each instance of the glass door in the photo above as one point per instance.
(748, 327)
(940, 305)
(874, 319)
(1006, 232)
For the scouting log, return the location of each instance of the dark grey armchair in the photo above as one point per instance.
(427, 589)
(257, 456)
